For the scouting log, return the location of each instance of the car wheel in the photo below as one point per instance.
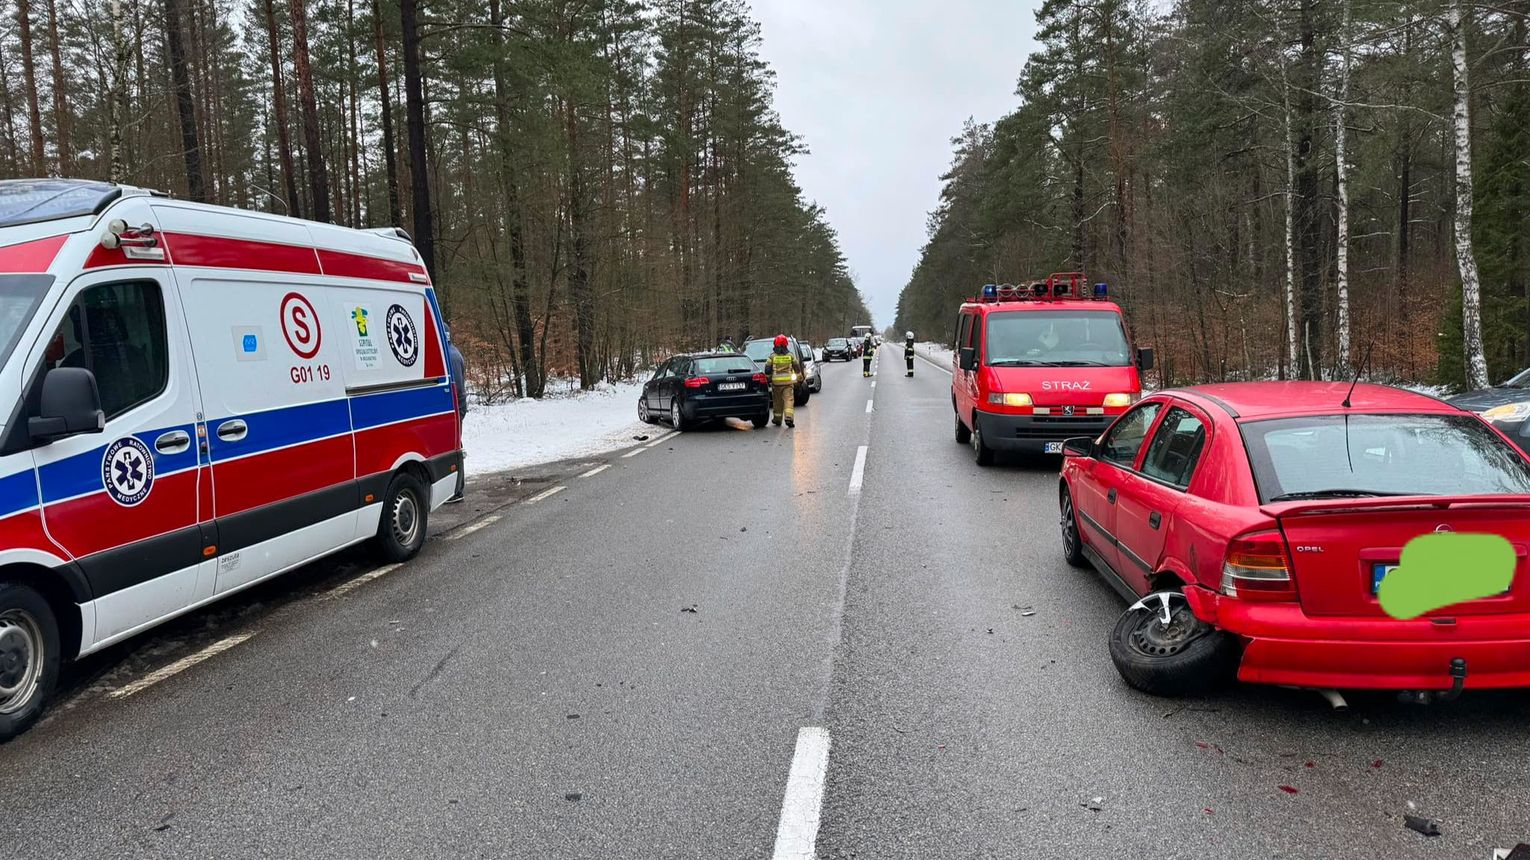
(1183, 657)
(800, 398)
(643, 413)
(676, 417)
(980, 450)
(405, 516)
(963, 435)
(29, 657)
(761, 420)
(1073, 545)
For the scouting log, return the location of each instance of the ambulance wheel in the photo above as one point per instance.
(29, 657)
(1185, 657)
(963, 435)
(761, 420)
(1073, 545)
(406, 510)
(981, 453)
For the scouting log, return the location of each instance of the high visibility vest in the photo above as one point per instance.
(782, 368)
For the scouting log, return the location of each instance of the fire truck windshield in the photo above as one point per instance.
(1056, 339)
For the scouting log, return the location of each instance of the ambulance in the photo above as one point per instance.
(202, 398)
(1041, 363)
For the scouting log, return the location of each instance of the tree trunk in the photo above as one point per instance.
(414, 110)
(1292, 354)
(29, 81)
(520, 289)
(389, 148)
(279, 112)
(580, 291)
(1308, 229)
(353, 144)
(13, 154)
(60, 96)
(185, 108)
(118, 100)
(1466, 260)
(1341, 172)
(318, 177)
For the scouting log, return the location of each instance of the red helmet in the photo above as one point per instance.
(780, 340)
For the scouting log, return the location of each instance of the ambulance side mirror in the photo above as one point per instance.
(1145, 358)
(70, 405)
(966, 359)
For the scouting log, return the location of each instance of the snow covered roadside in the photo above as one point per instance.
(525, 432)
(936, 352)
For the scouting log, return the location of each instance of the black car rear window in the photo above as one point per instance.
(723, 364)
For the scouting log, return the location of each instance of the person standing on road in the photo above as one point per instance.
(868, 350)
(784, 370)
(727, 344)
(908, 351)
(458, 368)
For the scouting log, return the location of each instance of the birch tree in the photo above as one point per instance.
(1466, 260)
(1341, 172)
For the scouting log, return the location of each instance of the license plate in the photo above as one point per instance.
(730, 386)
(1052, 448)
(1378, 573)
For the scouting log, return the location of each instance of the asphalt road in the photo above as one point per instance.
(623, 667)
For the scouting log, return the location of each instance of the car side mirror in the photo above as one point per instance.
(966, 359)
(1079, 446)
(70, 404)
(1145, 358)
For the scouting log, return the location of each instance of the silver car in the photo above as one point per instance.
(810, 366)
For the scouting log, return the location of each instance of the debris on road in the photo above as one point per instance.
(1094, 804)
(573, 795)
(1420, 824)
(1376, 764)
(640, 438)
(691, 609)
(1288, 789)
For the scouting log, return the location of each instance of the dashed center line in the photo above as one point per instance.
(802, 805)
(546, 494)
(633, 453)
(868, 407)
(858, 474)
(179, 666)
(466, 530)
(347, 587)
(596, 471)
(660, 439)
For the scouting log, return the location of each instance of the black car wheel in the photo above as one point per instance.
(800, 396)
(1184, 656)
(29, 657)
(1073, 545)
(677, 416)
(761, 420)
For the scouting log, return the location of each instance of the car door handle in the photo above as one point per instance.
(1111, 497)
(173, 442)
(233, 431)
(1155, 519)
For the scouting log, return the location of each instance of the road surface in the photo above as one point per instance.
(730, 643)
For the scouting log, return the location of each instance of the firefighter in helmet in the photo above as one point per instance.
(908, 351)
(784, 370)
(868, 351)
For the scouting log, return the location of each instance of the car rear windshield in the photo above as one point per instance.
(19, 297)
(24, 201)
(1354, 456)
(1056, 339)
(759, 350)
(723, 364)
(837, 343)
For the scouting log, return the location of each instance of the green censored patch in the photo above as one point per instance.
(1439, 570)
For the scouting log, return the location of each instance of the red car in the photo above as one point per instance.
(1252, 523)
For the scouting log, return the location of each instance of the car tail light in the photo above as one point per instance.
(696, 382)
(761, 379)
(1257, 568)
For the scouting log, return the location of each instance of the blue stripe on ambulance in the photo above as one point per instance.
(80, 475)
(281, 428)
(390, 407)
(18, 492)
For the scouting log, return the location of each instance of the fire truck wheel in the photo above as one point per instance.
(963, 435)
(401, 532)
(981, 453)
(29, 657)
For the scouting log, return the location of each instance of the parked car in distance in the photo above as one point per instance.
(810, 365)
(1252, 524)
(1506, 406)
(760, 348)
(689, 389)
(838, 348)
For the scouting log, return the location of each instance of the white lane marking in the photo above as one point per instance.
(660, 439)
(345, 588)
(873, 383)
(868, 407)
(858, 474)
(797, 834)
(482, 524)
(546, 494)
(633, 453)
(595, 471)
(179, 666)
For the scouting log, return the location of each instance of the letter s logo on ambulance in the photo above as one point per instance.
(127, 470)
(300, 325)
(402, 336)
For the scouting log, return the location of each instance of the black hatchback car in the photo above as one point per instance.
(838, 348)
(689, 389)
(1506, 405)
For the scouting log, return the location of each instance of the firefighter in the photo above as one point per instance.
(784, 371)
(868, 351)
(908, 351)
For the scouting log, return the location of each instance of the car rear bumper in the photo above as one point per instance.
(732, 406)
(1284, 645)
(1032, 432)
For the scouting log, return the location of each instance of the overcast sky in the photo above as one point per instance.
(877, 89)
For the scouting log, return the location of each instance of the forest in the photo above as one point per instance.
(1271, 188)
(592, 183)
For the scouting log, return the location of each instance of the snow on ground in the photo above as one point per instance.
(936, 352)
(512, 435)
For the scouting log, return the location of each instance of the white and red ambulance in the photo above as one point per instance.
(202, 398)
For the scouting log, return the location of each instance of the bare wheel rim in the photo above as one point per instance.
(21, 659)
(643, 410)
(977, 439)
(1151, 637)
(1069, 524)
(405, 522)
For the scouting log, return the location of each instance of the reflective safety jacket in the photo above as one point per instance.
(782, 367)
(908, 350)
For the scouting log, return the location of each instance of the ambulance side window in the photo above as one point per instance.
(117, 332)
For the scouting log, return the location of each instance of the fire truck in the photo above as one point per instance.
(1039, 363)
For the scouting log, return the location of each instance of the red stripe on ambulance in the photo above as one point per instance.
(277, 476)
(224, 253)
(380, 448)
(90, 524)
(34, 256)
